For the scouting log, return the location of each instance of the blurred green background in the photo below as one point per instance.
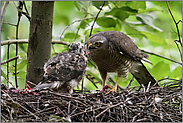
(148, 22)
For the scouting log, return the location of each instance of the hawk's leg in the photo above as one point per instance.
(115, 87)
(105, 87)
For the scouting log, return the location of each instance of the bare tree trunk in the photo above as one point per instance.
(39, 45)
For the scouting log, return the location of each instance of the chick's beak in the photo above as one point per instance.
(86, 53)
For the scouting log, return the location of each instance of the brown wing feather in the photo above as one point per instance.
(124, 44)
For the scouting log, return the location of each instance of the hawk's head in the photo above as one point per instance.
(76, 47)
(96, 43)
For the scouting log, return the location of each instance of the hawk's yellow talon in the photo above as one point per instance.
(113, 89)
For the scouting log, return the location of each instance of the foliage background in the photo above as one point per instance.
(148, 22)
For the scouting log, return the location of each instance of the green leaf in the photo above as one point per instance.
(98, 4)
(21, 74)
(106, 22)
(71, 36)
(21, 46)
(122, 13)
(148, 20)
(61, 10)
(22, 65)
(116, 28)
(153, 38)
(80, 6)
(177, 72)
(160, 70)
(133, 32)
(119, 3)
(61, 19)
(84, 23)
(148, 10)
(136, 4)
(3, 74)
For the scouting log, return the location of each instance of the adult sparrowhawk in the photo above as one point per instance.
(114, 51)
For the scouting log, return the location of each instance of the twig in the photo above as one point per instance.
(178, 47)
(147, 90)
(87, 111)
(89, 77)
(178, 33)
(167, 78)
(75, 98)
(20, 6)
(21, 41)
(130, 82)
(96, 18)
(9, 24)
(82, 85)
(3, 11)
(10, 82)
(71, 24)
(113, 106)
(21, 105)
(8, 60)
(78, 30)
(25, 7)
(4, 118)
(16, 83)
(24, 13)
(161, 56)
(45, 110)
(31, 83)
(176, 23)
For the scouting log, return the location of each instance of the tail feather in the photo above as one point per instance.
(42, 86)
(141, 74)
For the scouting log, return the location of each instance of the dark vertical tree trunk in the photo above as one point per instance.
(40, 36)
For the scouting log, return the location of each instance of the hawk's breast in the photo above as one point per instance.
(112, 61)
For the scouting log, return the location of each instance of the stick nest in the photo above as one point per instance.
(154, 104)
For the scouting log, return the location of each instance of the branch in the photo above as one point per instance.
(129, 83)
(176, 23)
(24, 13)
(3, 11)
(8, 53)
(9, 82)
(71, 24)
(178, 33)
(8, 60)
(21, 41)
(161, 56)
(25, 7)
(178, 47)
(20, 6)
(78, 30)
(96, 18)
(9, 24)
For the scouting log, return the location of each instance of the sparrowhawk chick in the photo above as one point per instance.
(114, 51)
(65, 70)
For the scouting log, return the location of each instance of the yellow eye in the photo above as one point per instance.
(97, 44)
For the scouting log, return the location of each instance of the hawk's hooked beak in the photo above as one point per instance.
(91, 46)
